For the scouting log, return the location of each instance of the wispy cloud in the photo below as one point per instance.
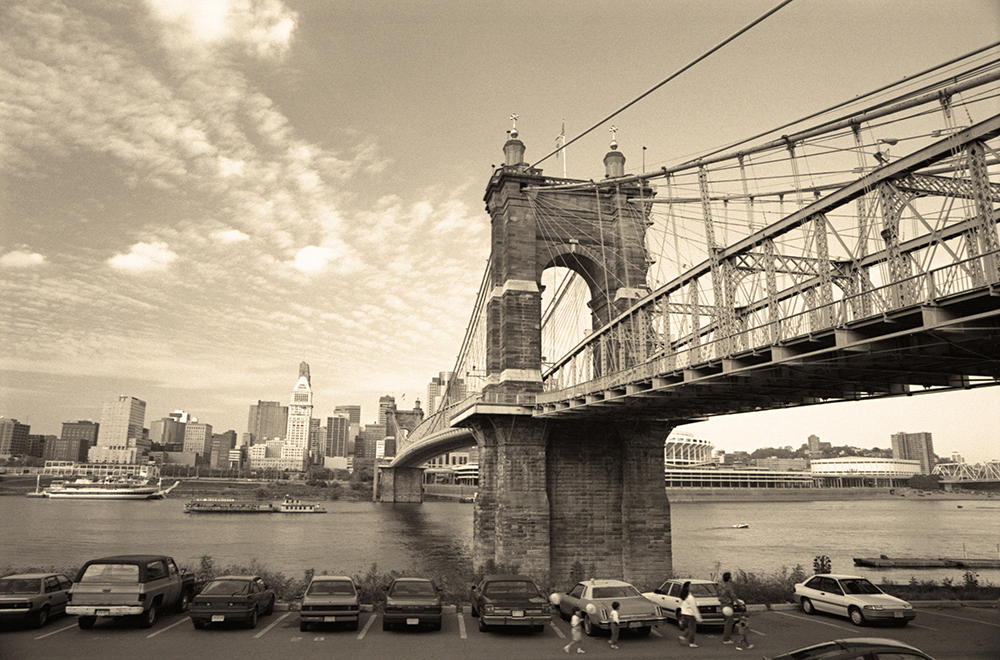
(16, 259)
(144, 258)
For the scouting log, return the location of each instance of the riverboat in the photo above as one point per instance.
(228, 505)
(292, 505)
(109, 488)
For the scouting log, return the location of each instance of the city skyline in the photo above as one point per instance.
(197, 195)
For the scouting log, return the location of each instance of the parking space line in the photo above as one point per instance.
(368, 624)
(461, 625)
(273, 624)
(960, 618)
(56, 632)
(812, 619)
(656, 632)
(172, 625)
(557, 629)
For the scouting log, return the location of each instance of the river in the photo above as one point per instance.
(435, 536)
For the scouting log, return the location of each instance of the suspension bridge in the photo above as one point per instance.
(852, 255)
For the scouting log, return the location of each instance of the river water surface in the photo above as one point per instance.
(436, 536)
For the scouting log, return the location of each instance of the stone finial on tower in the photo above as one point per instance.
(514, 149)
(304, 372)
(614, 161)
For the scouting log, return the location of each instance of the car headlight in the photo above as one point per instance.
(907, 606)
(874, 607)
(488, 608)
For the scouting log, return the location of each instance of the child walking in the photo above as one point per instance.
(742, 627)
(576, 626)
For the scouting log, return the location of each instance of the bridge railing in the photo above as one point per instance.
(575, 378)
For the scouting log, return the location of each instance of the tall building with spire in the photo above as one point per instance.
(299, 416)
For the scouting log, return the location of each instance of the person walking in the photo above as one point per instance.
(576, 629)
(615, 624)
(689, 615)
(727, 598)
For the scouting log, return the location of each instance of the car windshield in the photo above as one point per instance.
(510, 589)
(859, 586)
(704, 590)
(404, 589)
(20, 586)
(623, 591)
(331, 588)
(226, 588)
(111, 573)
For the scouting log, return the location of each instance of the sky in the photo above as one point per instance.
(197, 195)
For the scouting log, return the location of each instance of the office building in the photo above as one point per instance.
(386, 404)
(198, 440)
(13, 438)
(337, 433)
(439, 388)
(352, 413)
(222, 445)
(300, 414)
(267, 420)
(914, 447)
(74, 442)
(121, 438)
(168, 432)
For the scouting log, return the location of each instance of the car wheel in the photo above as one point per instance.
(354, 625)
(270, 608)
(183, 602)
(436, 625)
(148, 618)
(588, 627)
(538, 628)
(902, 623)
(42, 617)
(475, 612)
(482, 626)
(198, 624)
(252, 623)
(303, 626)
(644, 631)
(807, 606)
(86, 622)
(857, 618)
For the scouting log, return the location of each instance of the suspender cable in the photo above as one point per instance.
(684, 68)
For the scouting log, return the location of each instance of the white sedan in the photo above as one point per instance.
(854, 597)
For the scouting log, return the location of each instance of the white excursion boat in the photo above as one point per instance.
(292, 505)
(110, 488)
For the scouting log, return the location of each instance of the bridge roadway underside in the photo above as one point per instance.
(920, 348)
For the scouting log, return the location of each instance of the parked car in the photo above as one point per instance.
(412, 602)
(856, 649)
(232, 598)
(854, 597)
(509, 600)
(635, 612)
(706, 593)
(33, 598)
(330, 599)
(136, 586)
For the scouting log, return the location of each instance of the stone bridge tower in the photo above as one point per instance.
(553, 493)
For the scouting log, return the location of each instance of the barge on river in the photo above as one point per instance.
(228, 505)
(919, 562)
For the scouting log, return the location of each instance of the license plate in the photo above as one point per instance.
(103, 613)
(413, 622)
(635, 624)
(517, 614)
(329, 619)
(898, 615)
(218, 617)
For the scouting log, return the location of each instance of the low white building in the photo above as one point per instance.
(863, 471)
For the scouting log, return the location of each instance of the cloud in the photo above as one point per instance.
(144, 258)
(230, 236)
(263, 27)
(22, 259)
(315, 259)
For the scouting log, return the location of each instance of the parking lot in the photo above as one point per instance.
(946, 633)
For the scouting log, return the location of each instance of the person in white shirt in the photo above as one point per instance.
(690, 616)
(615, 624)
(576, 626)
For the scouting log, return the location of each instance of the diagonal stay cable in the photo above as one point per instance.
(684, 68)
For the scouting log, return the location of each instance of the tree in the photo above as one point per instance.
(925, 482)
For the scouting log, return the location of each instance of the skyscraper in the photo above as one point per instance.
(914, 447)
(352, 413)
(13, 437)
(385, 404)
(121, 438)
(337, 433)
(299, 414)
(268, 420)
(438, 388)
(75, 442)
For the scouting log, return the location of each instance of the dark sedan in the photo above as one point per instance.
(412, 602)
(232, 598)
(509, 600)
(33, 597)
